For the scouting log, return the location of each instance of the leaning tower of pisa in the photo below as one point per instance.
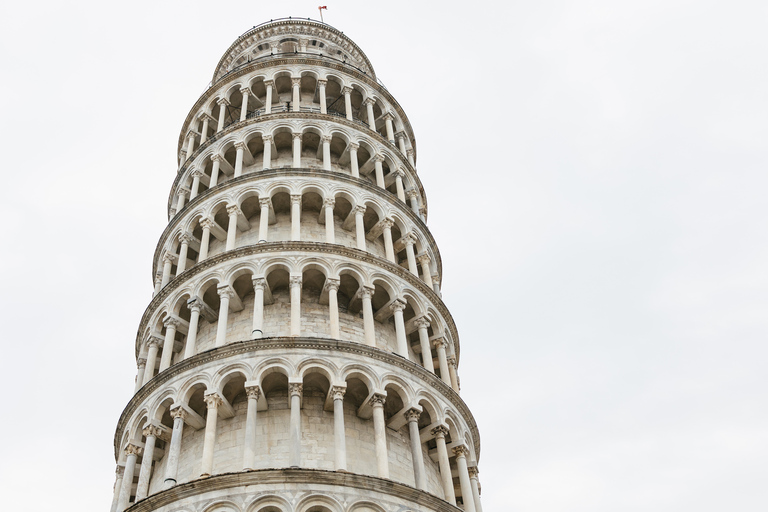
(296, 355)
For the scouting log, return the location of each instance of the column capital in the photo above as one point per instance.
(265, 201)
(296, 135)
(412, 193)
(132, 449)
(186, 237)
(269, 83)
(245, 90)
(191, 135)
(195, 305)
(422, 323)
(152, 431)
(423, 258)
(399, 173)
(473, 471)
(378, 157)
(295, 199)
(222, 101)
(212, 400)
(451, 360)
(295, 81)
(169, 258)
(241, 145)
(412, 414)
(338, 392)
(461, 451)
(360, 209)
(346, 90)
(326, 138)
(388, 116)
(233, 209)
(196, 173)
(322, 82)
(440, 342)
(439, 431)
(295, 281)
(183, 192)
(366, 292)
(295, 388)
(267, 139)
(119, 471)
(332, 283)
(409, 238)
(154, 340)
(377, 399)
(206, 223)
(397, 305)
(141, 362)
(329, 201)
(354, 146)
(259, 283)
(387, 223)
(216, 158)
(225, 291)
(179, 412)
(369, 101)
(171, 322)
(253, 392)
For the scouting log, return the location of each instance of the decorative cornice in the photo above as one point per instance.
(313, 247)
(292, 476)
(240, 348)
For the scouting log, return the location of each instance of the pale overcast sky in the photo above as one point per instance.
(596, 175)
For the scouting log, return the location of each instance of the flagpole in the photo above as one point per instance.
(321, 14)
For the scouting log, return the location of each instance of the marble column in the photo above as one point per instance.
(422, 324)
(294, 392)
(296, 86)
(131, 453)
(332, 286)
(174, 450)
(259, 285)
(152, 346)
(245, 92)
(442, 360)
(325, 140)
(360, 226)
(354, 167)
(249, 445)
(205, 239)
(295, 285)
(212, 402)
(195, 307)
(297, 150)
(330, 235)
(339, 434)
(267, 161)
(475, 483)
(461, 453)
(225, 294)
(452, 373)
(369, 102)
(239, 155)
(426, 273)
(295, 217)
(410, 241)
(321, 93)
(233, 211)
(445, 466)
(151, 433)
(264, 204)
(269, 85)
(380, 434)
(389, 247)
(348, 101)
(141, 364)
(171, 324)
(369, 328)
(222, 114)
(379, 170)
(412, 416)
(397, 308)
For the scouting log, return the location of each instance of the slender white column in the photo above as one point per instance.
(360, 226)
(399, 184)
(204, 131)
(296, 82)
(369, 102)
(390, 131)
(348, 101)
(149, 371)
(397, 308)
(194, 318)
(389, 248)
(321, 92)
(141, 364)
(158, 282)
(332, 286)
(379, 170)
(380, 434)
(413, 198)
(461, 453)
(168, 259)
(401, 143)
(151, 433)
(426, 351)
(196, 174)
(295, 217)
(212, 401)
(117, 487)
(182, 157)
(267, 162)
(222, 113)
(225, 293)
(409, 240)
(368, 326)
(172, 467)
(295, 305)
(264, 203)
(190, 143)
(269, 84)
(339, 434)
(410, 158)
(259, 284)
(353, 164)
(240, 147)
(297, 150)
(445, 466)
(170, 338)
(452, 373)
(294, 391)
(328, 204)
(181, 266)
(436, 284)
(426, 273)
(249, 445)
(207, 225)
(475, 483)
(326, 140)
(131, 452)
(303, 45)
(442, 360)
(244, 108)
(412, 417)
(216, 159)
(233, 211)
(181, 200)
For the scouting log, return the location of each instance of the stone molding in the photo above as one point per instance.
(239, 348)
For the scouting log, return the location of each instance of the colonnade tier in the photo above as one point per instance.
(299, 288)
(269, 84)
(430, 436)
(289, 140)
(263, 206)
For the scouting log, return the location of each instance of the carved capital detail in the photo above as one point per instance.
(132, 449)
(338, 392)
(440, 431)
(233, 209)
(179, 412)
(422, 323)
(259, 283)
(152, 430)
(329, 201)
(377, 399)
(461, 451)
(225, 291)
(295, 389)
(473, 471)
(412, 414)
(326, 139)
(354, 146)
(360, 209)
(212, 400)
(206, 223)
(265, 202)
(366, 292)
(295, 281)
(241, 145)
(332, 284)
(253, 392)
(397, 305)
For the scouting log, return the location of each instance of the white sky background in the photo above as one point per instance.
(596, 177)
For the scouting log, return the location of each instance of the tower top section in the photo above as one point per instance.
(292, 36)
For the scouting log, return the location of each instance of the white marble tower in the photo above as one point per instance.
(296, 355)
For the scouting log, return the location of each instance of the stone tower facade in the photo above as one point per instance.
(296, 355)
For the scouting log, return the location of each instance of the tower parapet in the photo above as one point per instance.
(296, 354)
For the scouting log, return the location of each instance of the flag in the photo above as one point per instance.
(322, 7)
